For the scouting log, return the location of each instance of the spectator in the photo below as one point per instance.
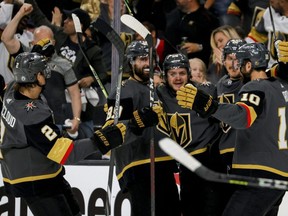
(189, 26)
(219, 8)
(198, 71)
(218, 40)
(8, 10)
(158, 77)
(67, 46)
(152, 11)
(261, 109)
(92, 7)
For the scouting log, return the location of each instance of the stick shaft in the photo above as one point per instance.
(138, 27)
(182, 156)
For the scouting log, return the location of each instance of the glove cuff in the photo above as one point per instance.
(137, 119)
(204, 104)
(107, 138)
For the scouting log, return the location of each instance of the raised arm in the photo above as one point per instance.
(11, 43)
(39, 18)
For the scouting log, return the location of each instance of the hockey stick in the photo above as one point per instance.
(138, 27)
(274, 31)
(78, 29)
(132, 13)
(115, 39)
(173, 149)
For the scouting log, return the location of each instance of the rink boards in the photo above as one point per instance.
(89, 182)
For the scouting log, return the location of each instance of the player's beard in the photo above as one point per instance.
(246, 75)
(140, 72)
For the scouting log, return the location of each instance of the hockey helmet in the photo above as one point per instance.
(177, 60)
(137, 48)
(256, 53)
(231, 47)
(28, 65)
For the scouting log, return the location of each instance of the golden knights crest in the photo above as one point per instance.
(180, 128)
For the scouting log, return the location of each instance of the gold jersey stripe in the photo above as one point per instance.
(158, 159)
(260, 167)
(223, 151)
(32, 178)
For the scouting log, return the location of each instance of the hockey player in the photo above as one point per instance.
(133, 158)
(33, 151)
(227, 91)
(62, 76)
(260, 117)
(193, 133)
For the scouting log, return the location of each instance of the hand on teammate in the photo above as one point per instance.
(190, 97)
(144, 117)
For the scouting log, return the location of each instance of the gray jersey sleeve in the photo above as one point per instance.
(232, 114)
(250, 105)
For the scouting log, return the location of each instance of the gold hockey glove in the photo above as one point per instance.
(282, 50)
(190, 97)
(109, 137)
(44, 47)
(162, 116)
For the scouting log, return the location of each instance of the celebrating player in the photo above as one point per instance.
(33, 151)
(260, 117)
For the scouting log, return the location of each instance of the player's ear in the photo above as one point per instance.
(248, 66)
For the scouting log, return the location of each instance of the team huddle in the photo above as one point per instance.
(238, 126)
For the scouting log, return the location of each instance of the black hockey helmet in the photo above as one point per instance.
(256, 53)
(27, 65)
(232, 46)
(177, 60)
(137, 48)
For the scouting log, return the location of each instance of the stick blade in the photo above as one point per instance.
(103, 27)
(134, 24)
(77, 23)
(173, 149)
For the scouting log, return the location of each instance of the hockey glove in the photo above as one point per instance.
(143, 118)
(162, 116)
(44, 47)
(158, 109)
(282, 50)
(190, 97)
(109, 137)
